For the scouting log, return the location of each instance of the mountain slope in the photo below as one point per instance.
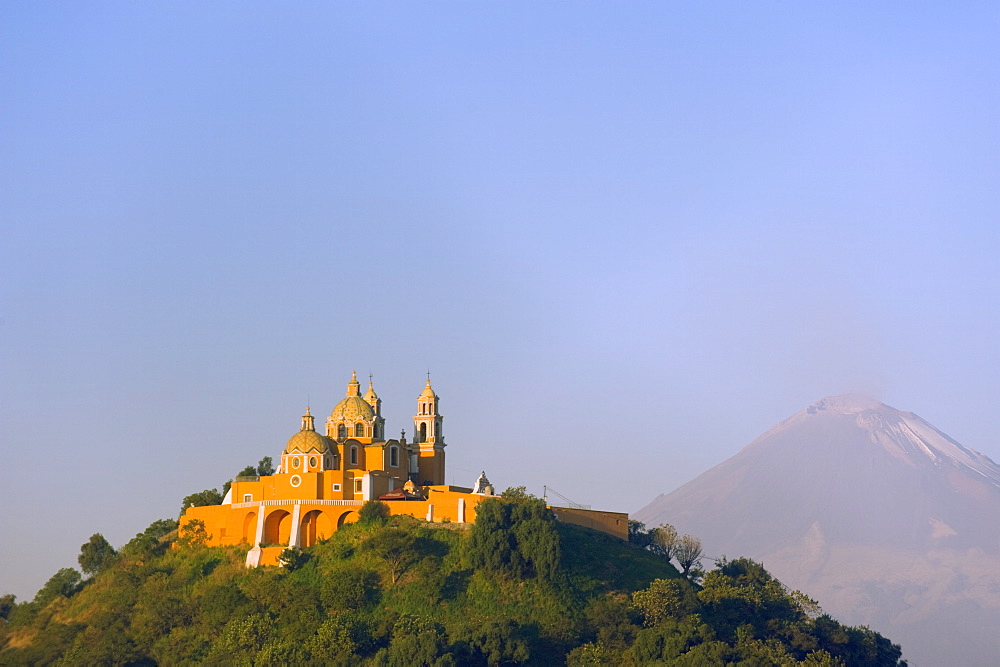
(879, 515)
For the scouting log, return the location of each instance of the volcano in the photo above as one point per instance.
(881, 517)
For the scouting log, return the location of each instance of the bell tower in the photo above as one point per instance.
(429, 437)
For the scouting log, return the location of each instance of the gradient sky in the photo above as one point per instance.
(626, 239)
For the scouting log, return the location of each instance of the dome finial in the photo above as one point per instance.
(354, 387)
(307, 421)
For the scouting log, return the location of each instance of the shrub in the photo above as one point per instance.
(293, 558)
(373, 512)
(349, 589)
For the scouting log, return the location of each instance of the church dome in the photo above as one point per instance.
(307, 441)
(352, 409)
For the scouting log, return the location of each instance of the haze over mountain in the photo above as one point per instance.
(883, 518)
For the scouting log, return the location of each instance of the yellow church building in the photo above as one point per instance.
(322, 480)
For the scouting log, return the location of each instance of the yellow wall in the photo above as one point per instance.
(318, 519)
(238, 523)
(612, 523)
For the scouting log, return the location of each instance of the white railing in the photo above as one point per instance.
(258, 503)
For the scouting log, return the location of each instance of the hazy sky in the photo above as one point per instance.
(626, 238)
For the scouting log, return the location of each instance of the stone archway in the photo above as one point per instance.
(278, 527)
(315, 526)
(250, 527)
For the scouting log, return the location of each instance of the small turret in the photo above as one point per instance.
(372, 399)
(482, 486)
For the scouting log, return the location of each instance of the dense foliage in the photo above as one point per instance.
(515, 588)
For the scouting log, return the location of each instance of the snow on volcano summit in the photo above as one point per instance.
(904, 435)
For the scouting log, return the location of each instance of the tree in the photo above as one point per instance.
(665, 598)
(200, 499)
(150, 541)
(741, 592)
(534, 527)
(611, 621)
(65, 582)
(373, 511)
(688, 552)
(7, 604)
(594, 654)
(498, 642)
(349, 589)
(672, 638)
(293, 558)
(160, 528)
(265, 466)
(241, 639)
(638, 535)
(665, 540)
(194, 534)
(417, 641)
(333, 643)
(517, 538)
(516, 493)
(395, 546)
(96, 555)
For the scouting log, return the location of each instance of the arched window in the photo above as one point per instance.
(359, 430)
(342, 431)
(354, 456)
(394, 457)
(423, 432)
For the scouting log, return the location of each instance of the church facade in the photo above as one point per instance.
(323, 479)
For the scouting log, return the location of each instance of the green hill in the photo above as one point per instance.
(518, 587)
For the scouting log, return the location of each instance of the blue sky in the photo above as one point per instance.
(625, 239)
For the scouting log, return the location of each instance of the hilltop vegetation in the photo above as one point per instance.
(515, 588)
